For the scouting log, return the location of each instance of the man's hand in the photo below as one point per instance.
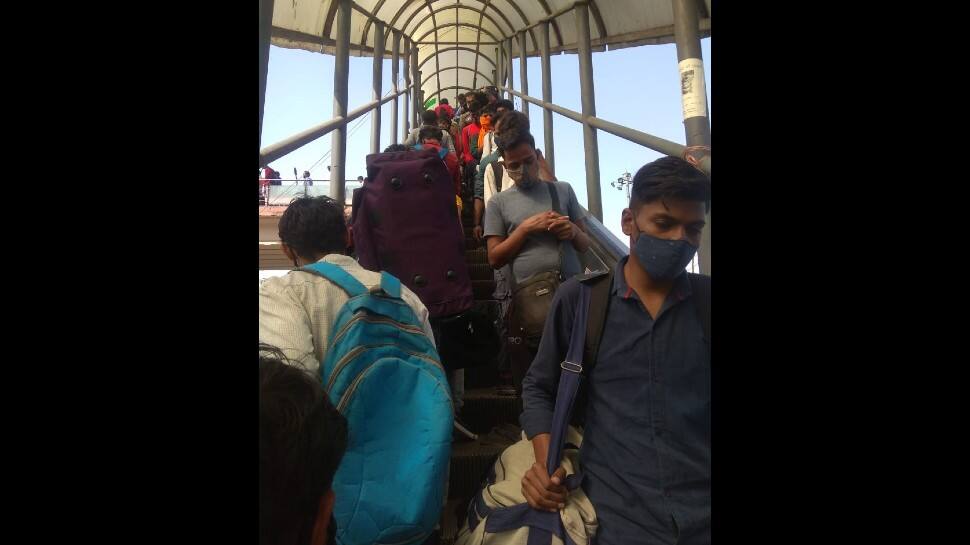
(542, 491)
(563, 228)
(539, 222)
(477, 232)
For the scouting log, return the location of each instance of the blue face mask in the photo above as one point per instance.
(663, 259)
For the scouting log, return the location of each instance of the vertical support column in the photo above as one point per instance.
(395, 59)
(457, 55)
(523, 72)
(341, 71)
(593, 196)
(377, 92)
(416, 78)
(508, 66)
(549, 151)
(265, 29)
(497, 72)
(406, 127)
(694, 99)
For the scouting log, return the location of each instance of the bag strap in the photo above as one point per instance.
(598, 306)
(390, 284)
(569, 380)
(700, 286)
(338, 276)
(498, 172)
(554, 195)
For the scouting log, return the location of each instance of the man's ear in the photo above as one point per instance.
(627, 222)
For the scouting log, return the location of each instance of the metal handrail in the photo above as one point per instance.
(632, 135)
(275, 151)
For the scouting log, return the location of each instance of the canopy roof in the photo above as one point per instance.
(458, 38)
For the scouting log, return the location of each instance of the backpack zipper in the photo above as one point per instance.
(374, 320)
(338, 367)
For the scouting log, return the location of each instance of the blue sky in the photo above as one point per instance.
(638, 87)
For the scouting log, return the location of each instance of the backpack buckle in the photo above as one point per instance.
(571, 366)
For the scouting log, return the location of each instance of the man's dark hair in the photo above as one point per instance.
(429, 117)
(429, 132)
(670, 178)
(515, 125)
(461, 99)
(479, 101)
(395, 147)
(314, 226)
(505, 103)
(302, 438)
(444, 101)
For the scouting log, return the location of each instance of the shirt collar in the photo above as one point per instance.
(338, 259)
(681, 289)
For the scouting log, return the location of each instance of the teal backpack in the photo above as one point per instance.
(384, 375)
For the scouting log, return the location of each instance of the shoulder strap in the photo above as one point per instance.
(338, 276)
(442, 153)
(599, 303)
(700, 286)
(554, 195)
(569, 379)
(390, 284)
(498, 172)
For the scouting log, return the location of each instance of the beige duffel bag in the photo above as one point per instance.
(500, 515)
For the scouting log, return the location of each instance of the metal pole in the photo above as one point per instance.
(497, 72)
(378, 76)
(341, 71)
(694, 100)
(275, 151)
(416, 78)
(549, 151)
(593, 196)
(395, 59)
(523, 73)
(406, 127)
(508, 66)
(500, 67)
(457, 28)
(265, 29)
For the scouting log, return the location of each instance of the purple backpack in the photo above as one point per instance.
(405, 222)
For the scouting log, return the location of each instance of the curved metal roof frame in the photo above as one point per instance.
(456, 68)
(459, 6)
(456, 87)
(459, 48)
(309, 24)
(451, 25)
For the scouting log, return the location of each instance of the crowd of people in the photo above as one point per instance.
(646, 408)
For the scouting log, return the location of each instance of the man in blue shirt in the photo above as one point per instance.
(645, 455)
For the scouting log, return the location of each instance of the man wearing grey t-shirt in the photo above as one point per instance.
(523, 230)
